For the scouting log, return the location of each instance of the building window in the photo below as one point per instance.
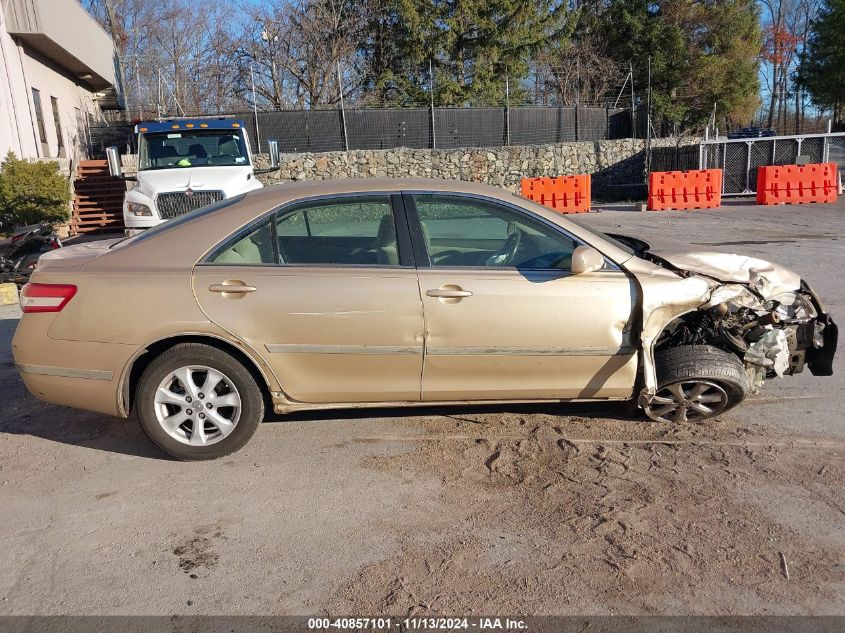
(39, 119)
(60, 139)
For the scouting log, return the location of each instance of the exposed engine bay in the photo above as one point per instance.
(774, 336)
(763, 313)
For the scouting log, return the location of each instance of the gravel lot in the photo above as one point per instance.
(508, 509)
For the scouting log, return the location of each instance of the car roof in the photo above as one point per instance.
(184, 244)
(282, 192)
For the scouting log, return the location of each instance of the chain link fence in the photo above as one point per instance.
(334, 130)
(740, 158)
(434, 128)
(681, 157)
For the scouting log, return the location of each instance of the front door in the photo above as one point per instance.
(505, 318)
(326, 291)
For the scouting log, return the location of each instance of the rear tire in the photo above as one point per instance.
(695, 383)
(196, 402)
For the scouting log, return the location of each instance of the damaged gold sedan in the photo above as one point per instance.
(363, 293)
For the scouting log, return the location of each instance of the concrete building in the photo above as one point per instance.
(57, 68)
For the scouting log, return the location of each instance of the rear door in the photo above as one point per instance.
(326, 290)
(505, 317)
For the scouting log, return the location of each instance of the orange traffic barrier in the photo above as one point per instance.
(699, 189)
(797, 184)
(564, 194)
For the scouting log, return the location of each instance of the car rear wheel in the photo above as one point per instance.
(695, 383)
(197, 402)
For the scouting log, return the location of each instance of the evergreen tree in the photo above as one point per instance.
(822, 69)
(472, 45)
(702, 53)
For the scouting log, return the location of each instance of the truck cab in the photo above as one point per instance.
(184, 164)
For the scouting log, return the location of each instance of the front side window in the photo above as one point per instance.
(192, 148)
(461, 231)
(340, 232)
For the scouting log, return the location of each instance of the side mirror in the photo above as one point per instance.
(586, 259)
(114, 162)
(274, 153)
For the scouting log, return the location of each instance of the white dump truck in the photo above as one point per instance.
(184, 164)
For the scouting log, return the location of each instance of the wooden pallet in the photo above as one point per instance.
(97, 200)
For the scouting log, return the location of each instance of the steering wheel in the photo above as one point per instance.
(507, 253)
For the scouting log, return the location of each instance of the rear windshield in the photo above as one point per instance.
(182, 219)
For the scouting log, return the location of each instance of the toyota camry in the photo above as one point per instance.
(362, 293)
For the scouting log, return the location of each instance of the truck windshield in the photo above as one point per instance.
(192, 148)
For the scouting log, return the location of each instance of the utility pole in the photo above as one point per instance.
(138, 84)
(342, 110)
(255, 109)
(507, 111)
(577, 97)
(714, 115)
(633, 107)
(648, 124)
(431, 92)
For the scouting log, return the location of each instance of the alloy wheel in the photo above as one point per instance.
(197, 405)
(687, 401)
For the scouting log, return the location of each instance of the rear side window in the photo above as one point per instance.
(257, 247)
(347, 231)
(358, 231)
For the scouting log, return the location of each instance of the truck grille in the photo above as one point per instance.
(175, 203)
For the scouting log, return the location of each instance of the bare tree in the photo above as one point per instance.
(294, 50)
(786, 29)
(174, 58)
(578, 73)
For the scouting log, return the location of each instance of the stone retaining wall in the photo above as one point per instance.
(612, 164)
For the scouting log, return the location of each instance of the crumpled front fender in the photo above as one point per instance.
(665, 298)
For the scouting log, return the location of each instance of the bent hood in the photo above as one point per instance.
(768, 278)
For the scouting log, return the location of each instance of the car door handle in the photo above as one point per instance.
(444, 293)
(233, 288)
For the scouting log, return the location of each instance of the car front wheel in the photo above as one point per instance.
(197, 402)
(696, 382)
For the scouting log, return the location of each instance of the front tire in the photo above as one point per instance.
(695, 383)
(196, 402)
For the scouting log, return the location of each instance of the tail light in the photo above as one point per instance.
(55, 242)
(46, 297)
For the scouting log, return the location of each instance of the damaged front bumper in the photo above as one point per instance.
(799, 333)
(820, 358)
(774, 334)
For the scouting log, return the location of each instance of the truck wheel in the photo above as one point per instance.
(196, 402)
(696, 382)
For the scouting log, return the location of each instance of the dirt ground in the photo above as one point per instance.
(583, 515)
(546, 509)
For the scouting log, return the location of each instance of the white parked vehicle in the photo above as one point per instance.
(184, 164)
